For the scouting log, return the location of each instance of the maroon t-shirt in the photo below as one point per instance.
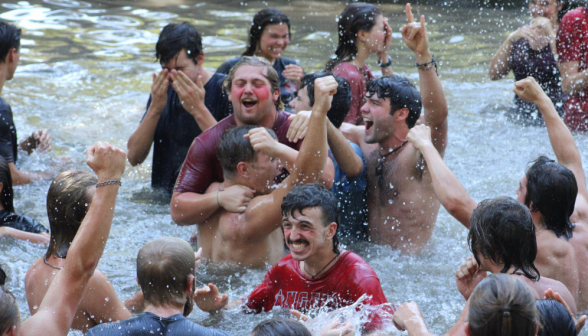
(285, 285)
(201, 167)
(358, 79)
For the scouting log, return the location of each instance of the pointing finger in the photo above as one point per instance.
(423, 26)
(409, 15)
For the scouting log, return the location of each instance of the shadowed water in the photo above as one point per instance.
(85, 74)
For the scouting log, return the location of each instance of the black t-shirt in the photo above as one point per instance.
(21, 222)
(8, 144)
(149, 324)
(176, 129)
(288, 88)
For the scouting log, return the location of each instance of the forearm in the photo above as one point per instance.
(136, 303)
(432, 95)
(347, 159)
(500, 63)
(35, 238)
(204, 118)
(313, 154)
(21, 177)
(191, 208)
(140, 142)
(573, 82)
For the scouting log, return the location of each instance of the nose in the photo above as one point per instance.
(364, 110)
(292, 103)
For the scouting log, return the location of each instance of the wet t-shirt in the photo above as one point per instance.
(21, 222)
(8, 144)
(202, 167)
(285, 285)
(176, 129)
(358, 79)
(149, 324)
(288, 88)
(572, 46)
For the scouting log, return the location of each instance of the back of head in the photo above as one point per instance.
(177, 36)
(552, 190)
(263, 18)
(68, 201)
(502, 305)
(355, 17)
(402, 94)
(309, 196)
(9, 38)
(341, 100)
(502, 230)
(234, 148)
(280, 327)
(164, 266)
(270, 74)
(9, 314)
(555, 319)
(7, 194)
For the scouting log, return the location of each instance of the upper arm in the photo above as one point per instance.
(352, 133)
(264, 213)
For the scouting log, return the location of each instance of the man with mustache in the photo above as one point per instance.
(254, 90)
(317, 273)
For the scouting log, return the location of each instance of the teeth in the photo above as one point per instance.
(299, 246)
(365, 120)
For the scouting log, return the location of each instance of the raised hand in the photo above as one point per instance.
(159, 91)
(261, 140)
(294, 73)
(414, 34)
(467, 277)
(107, 161)
(42, 140)
(529, 90)
(383, 53)
(550, 294)
(409, 311)
(235, 198)
(420, 136)
(324, 89)
(298, 126)
(209, 299)
(191, 94)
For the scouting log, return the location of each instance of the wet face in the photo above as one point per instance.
(301, 102)
(263, 173)
(376, 36)
(274, 40)
(544, 8)
(15, 54)
(251, 95)
(522, 190)
(305, 233)
(379, 123)
(181, 62)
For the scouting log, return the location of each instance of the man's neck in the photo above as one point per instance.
(393, 142)
(320, 262)
(206, 75)
(268, 122)
(164, 311)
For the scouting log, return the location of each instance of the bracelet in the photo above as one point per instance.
(427, 65)
(101, 184)
(217, 191)
(387, 64)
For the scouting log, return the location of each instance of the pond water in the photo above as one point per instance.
(85, 74)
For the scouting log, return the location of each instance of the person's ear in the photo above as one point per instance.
(200, 59)
(190, 284)
(331, 230)
(276, 95)
(466, 329)
(10, 331)
(11, 57)
(136, 278)
(244, 169)
(401, 115)
(362, 36)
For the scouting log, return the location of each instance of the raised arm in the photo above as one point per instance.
(348, 160)
(561, 139)
(60, 304)
(432, 95)
(448, 189)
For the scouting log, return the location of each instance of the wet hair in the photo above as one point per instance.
(177, 36)
(310, 196)
(502, 231)
(164, 266)
(566, 6)
(354, 18)
(555, 319)
(552, 190)
(341, 100)
(502, 305)
(270, 74)
(264, 17)
(68, 201)
(7, 194)
(234, 148)
(280, 327)
(9, 38)
(402, 94)
(9, 314)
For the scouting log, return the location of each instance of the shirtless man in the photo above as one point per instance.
(555, 193)
(249, 156)
(402, 207)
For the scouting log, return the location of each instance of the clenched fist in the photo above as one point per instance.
(107, 161)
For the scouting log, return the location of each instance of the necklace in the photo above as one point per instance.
(313, 276)
(380, 166)
(48, 264)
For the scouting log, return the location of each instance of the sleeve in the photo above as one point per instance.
(258, 299)
(371, 287)
(197, 171)
(6, 145)
(570, 37)
(225, 67)
(24, 223)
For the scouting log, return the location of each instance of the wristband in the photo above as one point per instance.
(101, 184)
(386, 64)
(427, 65)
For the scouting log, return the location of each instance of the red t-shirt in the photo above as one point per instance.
(285, 285)
(201, 167)
(357, 80)
(572, 46)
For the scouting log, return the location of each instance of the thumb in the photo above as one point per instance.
(291, 117)
(225, 298)
(246, 136)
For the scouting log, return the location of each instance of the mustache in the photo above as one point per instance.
(298, 241)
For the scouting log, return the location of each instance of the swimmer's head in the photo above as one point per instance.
(358, 21)
(243, 165)
(393, 104)
(556, 320)
(269, 34)
(9, 47)
(341, 100)
(253, 86)
(502, 305)
(550, 190)
(280, 327)
(165, 272)
(502, 234)
(9, 313)
(6, 192)
(180, 48)
(68, 200)
(310, 218)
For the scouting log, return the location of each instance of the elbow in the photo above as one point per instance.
(177, 214)
(494, 75)
(132, 156)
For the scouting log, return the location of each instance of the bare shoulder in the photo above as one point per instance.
(33, 270)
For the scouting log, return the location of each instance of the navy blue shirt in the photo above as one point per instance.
(21, 222)
(8, 144)
(149, 324)
(176, 129)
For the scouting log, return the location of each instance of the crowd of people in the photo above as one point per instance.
(356, 158)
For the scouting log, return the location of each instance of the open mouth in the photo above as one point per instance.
(248, 102)
(368, 124)
(298, 246)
